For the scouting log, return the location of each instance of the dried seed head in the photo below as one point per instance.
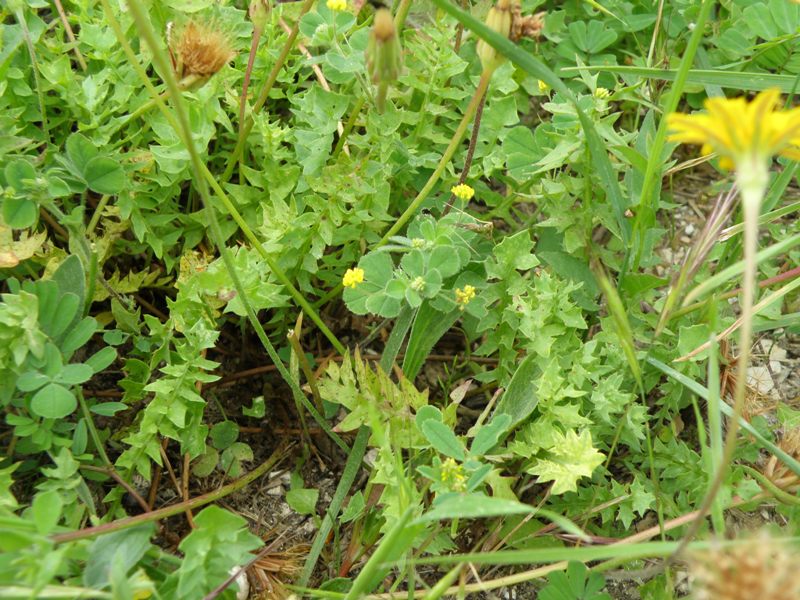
(776, 469)
(761, 568)
(202, 49)
(530, 26)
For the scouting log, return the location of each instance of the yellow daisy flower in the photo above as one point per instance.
(741, 132)
(353, 277)
(463, 191)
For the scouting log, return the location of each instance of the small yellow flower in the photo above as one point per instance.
(336, 5)
(452, 475)
(463, 191)
(543, 87)
(602, 93)
(741, 132)
(353, 277)
(464, 296)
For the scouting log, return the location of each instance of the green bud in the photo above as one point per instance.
(498, 20)
(259, 13)
(384, 54)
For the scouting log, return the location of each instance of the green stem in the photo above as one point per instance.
(402, 13)
(175, 509)
(348, 127)
(97, 212)
(245, 130)
(87, 415)
(773, 489)
(294, 341)
(752, 185)
(458, 136)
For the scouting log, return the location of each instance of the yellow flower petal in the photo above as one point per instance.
(740, 131)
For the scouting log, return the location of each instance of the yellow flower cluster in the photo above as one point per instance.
(602, 93)
(462, 191)
(463, 296)
(336, 5)
(741, 132)
(352, 277)
(543, 87)
(452, 475)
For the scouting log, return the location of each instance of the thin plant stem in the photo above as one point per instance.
(87, 415)
(257, 31)
(751, 203)
(402, 13)
(785, 276)
(245, 129)
(348, 127)
(111, 472)
(98, 211)
(483, 85)
(294, 340)
(71, 35)
(169, 511)
(473, 142)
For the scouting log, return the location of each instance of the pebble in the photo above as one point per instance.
(689, 229)
(760, 378)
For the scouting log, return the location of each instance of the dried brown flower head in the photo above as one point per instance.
(761, 568)
(777, 471)
(530, 26)
(201, 49)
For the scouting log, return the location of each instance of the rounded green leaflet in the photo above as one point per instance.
(19, 213)
(104, 175)
(53, 401)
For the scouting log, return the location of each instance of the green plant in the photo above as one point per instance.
(436, 255)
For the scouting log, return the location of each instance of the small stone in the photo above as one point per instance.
(276, 490)
(760, 378)
(689, 229)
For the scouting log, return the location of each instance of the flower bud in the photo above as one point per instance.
(259, 13)
(498, 20)
(384, 54)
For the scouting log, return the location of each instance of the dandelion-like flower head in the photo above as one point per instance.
(741, 132)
